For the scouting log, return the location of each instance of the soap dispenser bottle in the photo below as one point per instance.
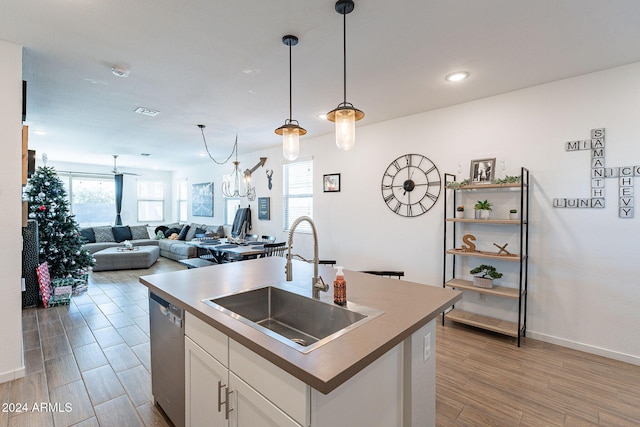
(339, 288)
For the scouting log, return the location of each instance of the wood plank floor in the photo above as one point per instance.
(94, 354)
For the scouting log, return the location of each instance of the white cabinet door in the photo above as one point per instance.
(251, 409)
(202, 373)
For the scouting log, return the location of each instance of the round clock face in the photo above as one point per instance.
(411, 185)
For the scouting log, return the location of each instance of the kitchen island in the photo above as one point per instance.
(346, 381)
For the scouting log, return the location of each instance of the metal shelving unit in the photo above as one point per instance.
(452, 227)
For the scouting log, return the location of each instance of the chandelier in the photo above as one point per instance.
(235, 184)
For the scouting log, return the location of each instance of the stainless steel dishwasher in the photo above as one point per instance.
(166, 324)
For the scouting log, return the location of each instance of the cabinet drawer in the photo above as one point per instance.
(211, 340)
(285, 391)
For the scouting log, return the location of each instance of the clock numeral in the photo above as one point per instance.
(396, 164)
(430, 170)
(431, 196)
(423, 207)
(409, 210)
(397, 208)
(408, 157)
(436, 183)
(387, 186)
(389, 198)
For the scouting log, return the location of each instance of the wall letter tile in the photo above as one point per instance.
(625, 213)
(626, 202)
(626, 191)
(597, 203)
(597, 133)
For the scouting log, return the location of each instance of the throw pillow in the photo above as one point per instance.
(170, 231)
(183, 232)
(162, 228)
(192, 231)
(139, 232)
(103, 234)
(121, 233)
(87, 235)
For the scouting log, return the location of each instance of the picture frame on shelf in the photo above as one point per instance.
(331, 183)
(482, 171)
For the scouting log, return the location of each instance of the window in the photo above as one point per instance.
(93, 199)
(150, 201)
(183, 211)
(231, 205)
(297, 193)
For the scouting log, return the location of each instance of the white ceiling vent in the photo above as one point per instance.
(147, 111)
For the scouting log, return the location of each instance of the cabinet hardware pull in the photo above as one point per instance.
(220, 402)
(227, 408)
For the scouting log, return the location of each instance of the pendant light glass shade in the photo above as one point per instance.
(345, 115)
(291, 130)
(290, 142)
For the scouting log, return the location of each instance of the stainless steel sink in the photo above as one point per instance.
(293, 319)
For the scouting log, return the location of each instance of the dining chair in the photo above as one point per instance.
(270, 239)
(274, 249)
(386, 273)
(251, 237)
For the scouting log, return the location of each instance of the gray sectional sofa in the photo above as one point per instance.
(103, 237)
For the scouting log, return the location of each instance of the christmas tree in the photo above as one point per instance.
(58, 232)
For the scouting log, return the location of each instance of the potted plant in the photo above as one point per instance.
(513, 214)
(483, 208)
(486, 275)
(460, 211)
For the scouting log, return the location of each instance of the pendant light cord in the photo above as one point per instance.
(344, 39)
(234, 150)
(290, 87)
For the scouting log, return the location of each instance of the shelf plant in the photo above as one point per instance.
(485, 275)
(513, 214)
(483, 208)
(460, 211)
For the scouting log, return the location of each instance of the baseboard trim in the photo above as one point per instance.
(12, 375)
(622, 357)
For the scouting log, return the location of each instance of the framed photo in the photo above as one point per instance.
(331, 183)
(264, 208)
(482, 171)
(202, 199)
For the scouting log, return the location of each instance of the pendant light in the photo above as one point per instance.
(345, 115)
(291, 130)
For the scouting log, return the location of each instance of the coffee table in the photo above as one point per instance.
(117, 259)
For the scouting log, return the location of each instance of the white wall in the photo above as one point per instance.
(584, 282)
(130, 187)
(11, 365)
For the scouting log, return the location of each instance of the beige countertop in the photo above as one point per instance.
(407, 307)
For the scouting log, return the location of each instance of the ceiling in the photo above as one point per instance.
(223, 64)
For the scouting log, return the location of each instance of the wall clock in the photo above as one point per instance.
(411, 185)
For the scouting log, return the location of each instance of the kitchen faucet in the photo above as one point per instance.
(317, 284)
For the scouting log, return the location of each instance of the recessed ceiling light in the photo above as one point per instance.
(457, 76)
(39, 132)
(145, 154)
(146, 111)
